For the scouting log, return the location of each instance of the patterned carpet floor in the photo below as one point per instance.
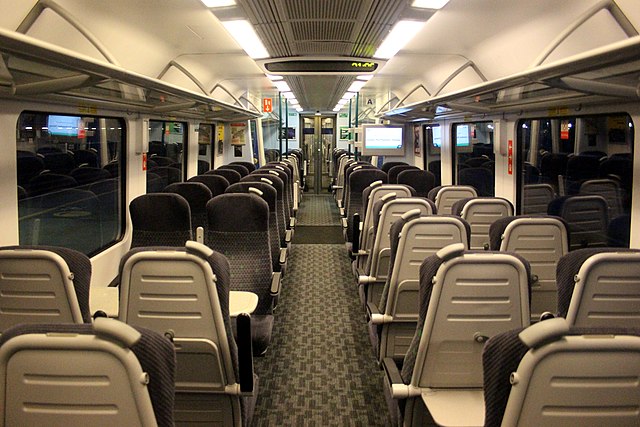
(320, 369)
(318, 209)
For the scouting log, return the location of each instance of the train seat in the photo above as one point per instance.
(536, 198)
(386, 166)
(397, 170)
(242, 170)
(43, 284)
(607, 188)
(420, 180)
(482, 179)
(540, 240)
(216, 183)
(392, 321)
(197, 195)
(105, 373)
(49, 182)
(480, 213)
(268, 194)
(358, 181)
(286, 177)
(160, 159)
(347, 174)
(445, 196)
(344, 163)
(370, 196)
(278, 185)
(203, 166)
(58, 162)
(599, 287)
(29, 167)
(169, 174)
(294, 187)
(551, 374)
(619, 231)
(250, 166)
(211, 385)
(465, 298)
(587, 218)
(279, 172)
(155, 183)
(239, 229)
(229, 174)
(372, 279)
(89, 174)
(160, 219)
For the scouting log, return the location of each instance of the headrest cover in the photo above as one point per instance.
(450, 251)
(544, 332)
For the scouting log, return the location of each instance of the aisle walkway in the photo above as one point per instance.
(319, 369)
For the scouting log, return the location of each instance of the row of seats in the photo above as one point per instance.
(440, 376)
(155, 294)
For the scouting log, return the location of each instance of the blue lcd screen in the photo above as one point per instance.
(63, 125)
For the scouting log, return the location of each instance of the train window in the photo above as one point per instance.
(567, 156)
(167, 143)
(474, 158)
(206, 146)
(70, 183)
(432, 143)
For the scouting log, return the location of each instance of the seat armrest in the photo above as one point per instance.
(361, 252)
(200, 235)
(375, 316)
(345, 223)
(399, 390)
(287, 236)
(365, 280)
(337, 187)
(342, 212)
(283, 255)
(275, 284)
(371, 309)
(391, 371)
(292, 222)
(245, 353)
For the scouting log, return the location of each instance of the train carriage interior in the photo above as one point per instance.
(320, 213)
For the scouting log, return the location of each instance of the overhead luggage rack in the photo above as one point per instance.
(33, 68)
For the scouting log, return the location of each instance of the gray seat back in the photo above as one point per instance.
(449, 194)
(567, 377)
(186, 291)
(103, 374)
(480, 213)
(359, 180)
(536, 198)
(607, 188)
(465, 298)
(40, 284)
(342, 166)
(414, 238)
(605, 289)
(542, 241)
(380, 256)
(587, 218)
(374, 195)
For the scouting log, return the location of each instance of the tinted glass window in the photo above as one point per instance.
(474, 159)
(167, 141)
(577, 156)
(70, 183)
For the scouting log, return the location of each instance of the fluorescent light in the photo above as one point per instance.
(348, 95)
(294, 102)
(356, 86)
(245, 35)
(289, 95)
(282, 86)
(318, 113)
(430, 4)
(218, 3)
(274, 78)
(399, 36)
(299, 109)
(365, 77)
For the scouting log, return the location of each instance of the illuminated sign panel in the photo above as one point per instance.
(321, 66)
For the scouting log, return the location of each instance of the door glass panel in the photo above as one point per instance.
(474, 158)
(205, 147)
